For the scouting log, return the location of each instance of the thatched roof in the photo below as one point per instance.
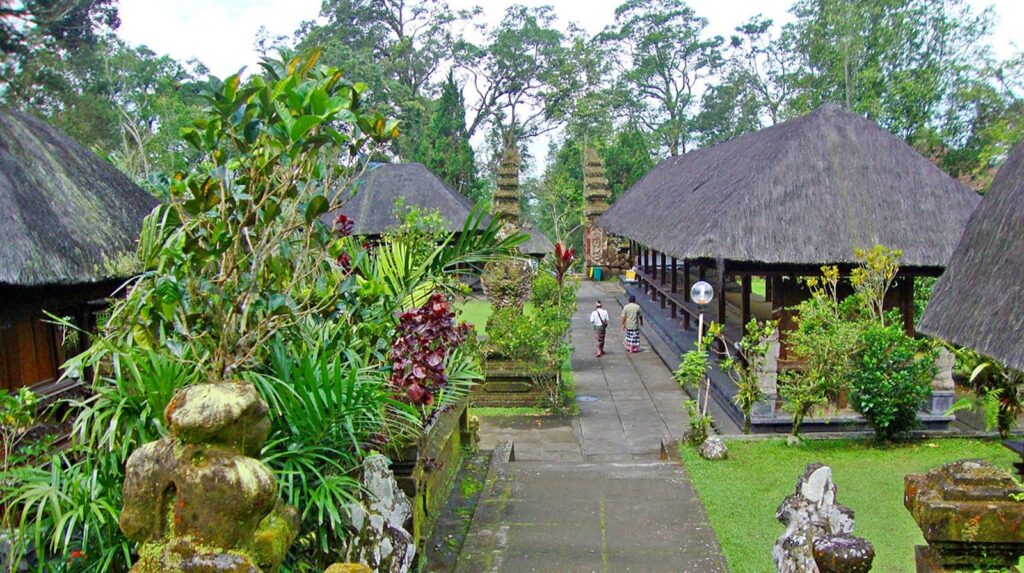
(803, 192)
(66, 216)
(538, 244)
(372, 208)
(979, 300)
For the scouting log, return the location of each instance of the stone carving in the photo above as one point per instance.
(965, 511)
(713, 448)
(380, 538)
(348, 568)
(842, 554)
(507, 282)
(810, 513)
(943, 379)
(195, 500)
(943, 396)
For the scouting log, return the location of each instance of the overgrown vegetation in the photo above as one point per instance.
(539, 341)
(852, 345)
(352, 345)
(998, 391)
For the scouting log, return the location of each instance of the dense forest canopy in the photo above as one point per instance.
(654, 82)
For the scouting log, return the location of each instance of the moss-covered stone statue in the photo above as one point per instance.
(198, 500)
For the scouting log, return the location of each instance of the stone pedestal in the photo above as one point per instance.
(197, 500)
(940, 402)
(968, 517)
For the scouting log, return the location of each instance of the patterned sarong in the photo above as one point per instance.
(599, 334)
(632, 338)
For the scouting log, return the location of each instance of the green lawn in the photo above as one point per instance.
(742, 493)
(476, 312)
(757, 286)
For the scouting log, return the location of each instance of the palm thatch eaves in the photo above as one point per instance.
(805, 192)
(372, 207)
(66, 216)
(977, 302)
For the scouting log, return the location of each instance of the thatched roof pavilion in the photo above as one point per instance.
(805, 192)
(777, 205)
(537, 245)
(69, 221)
(977, 302)
(66, 215)
(372, 207)
(783, 201)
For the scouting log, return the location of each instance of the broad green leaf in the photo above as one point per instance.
(301, 127)
(317, 206)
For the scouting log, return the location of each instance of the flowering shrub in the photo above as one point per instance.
(425, 336)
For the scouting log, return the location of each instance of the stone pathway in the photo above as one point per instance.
(590, 494)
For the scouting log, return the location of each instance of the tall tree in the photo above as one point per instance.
(515, 74)
(664, 56)
(445, 147)
(395, 46)
(896, 61)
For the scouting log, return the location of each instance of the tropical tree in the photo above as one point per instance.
(445, 147)
(664, 55)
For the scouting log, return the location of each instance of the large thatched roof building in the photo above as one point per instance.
(68, 220)
(778, 204)
(802, 193)
(977, 302)
(372, 207)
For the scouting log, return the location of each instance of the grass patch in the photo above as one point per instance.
(757, 286)
(742, 493)
(476, 312)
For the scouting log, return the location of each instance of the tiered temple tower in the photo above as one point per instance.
(600, 250)
(506, 196)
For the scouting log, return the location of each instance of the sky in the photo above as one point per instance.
(221, 33)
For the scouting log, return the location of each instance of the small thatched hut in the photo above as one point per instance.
(783, 201)
(372, 207)
(68, 220)
(538, 245)
(979, 301)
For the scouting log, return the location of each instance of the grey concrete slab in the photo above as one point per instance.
(590, 494)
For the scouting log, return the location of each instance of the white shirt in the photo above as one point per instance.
(599, 317)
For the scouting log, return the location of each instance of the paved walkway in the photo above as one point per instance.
(590, 494)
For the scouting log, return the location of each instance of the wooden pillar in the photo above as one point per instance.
(767, 288)
(907, 304)
(702, 272)
(745, 302)
(720, 267)
(675, 278)
(654, 264)
(686, 293)
(647, 259)
(662, 268)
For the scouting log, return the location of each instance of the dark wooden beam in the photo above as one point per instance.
(686, 292)
(768, 288)
(744, 301)
(702, 273)
(906, 288)
(674, 277)
(662, 269)
(720, 291)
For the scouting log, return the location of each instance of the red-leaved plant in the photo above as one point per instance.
(564, 258)
(425, 336)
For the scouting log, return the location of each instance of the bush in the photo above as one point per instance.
(891, 377)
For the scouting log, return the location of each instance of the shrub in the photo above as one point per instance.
(693, 369)
(746, 368)
(802, 395)
(998, 392)
(891, 378)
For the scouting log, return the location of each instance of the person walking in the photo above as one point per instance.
(632, 320)
(599, 319)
